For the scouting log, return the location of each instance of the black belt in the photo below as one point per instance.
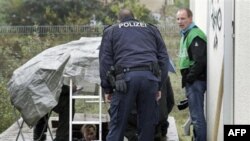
(129, 69)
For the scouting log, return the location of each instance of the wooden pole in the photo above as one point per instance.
(218, 105)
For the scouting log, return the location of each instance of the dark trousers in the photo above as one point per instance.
(166, 104)
(142, 88)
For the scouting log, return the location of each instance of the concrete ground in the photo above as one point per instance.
(27, 133)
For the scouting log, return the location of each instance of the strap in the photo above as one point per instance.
(138, 68)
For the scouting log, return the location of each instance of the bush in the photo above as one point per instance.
(6, 114)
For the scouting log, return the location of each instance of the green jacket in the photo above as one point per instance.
(186, 40)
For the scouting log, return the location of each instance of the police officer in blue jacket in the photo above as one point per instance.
(133, 62)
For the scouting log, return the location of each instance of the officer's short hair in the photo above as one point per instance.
(124, 13)
(189, 12)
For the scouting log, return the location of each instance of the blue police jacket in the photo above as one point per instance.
(131, 43)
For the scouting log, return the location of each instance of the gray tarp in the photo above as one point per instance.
(35, 86)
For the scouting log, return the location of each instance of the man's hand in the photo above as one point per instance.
(158, 96)
(74, 89)
(107, 98)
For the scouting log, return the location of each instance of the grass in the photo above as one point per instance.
(180, 117)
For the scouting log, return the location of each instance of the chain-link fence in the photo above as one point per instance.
(85, 30)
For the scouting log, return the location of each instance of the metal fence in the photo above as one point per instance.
(57, 29)
(71, 29)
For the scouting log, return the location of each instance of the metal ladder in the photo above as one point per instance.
(99, 122)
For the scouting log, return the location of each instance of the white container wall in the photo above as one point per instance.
(242, 65)
(200, 17)
(228, 62)
(215, 66)
(220, 90)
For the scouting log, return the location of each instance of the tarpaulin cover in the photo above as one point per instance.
(36, 85)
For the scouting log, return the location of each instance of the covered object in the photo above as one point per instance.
(35, 86)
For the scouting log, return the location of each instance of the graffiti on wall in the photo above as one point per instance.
(216, 19)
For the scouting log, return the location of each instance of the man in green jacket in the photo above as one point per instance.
(193, 67)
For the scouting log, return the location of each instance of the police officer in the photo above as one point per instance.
(138, 58)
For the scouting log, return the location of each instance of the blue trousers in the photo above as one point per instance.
(142, 87)
(195, 94)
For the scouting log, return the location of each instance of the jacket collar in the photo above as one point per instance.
(184, 31)
(130, 18)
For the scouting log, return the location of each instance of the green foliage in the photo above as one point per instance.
(6, 114)
(171, 10)
(182, 3)
(140, 11)
(47, 12)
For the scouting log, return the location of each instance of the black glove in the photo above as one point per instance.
(183, 104)
(121, 86)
